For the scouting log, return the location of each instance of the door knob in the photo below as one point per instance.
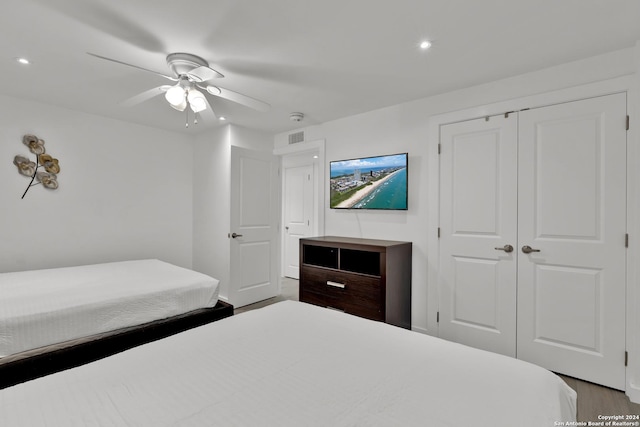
(234, 235)
(506, 248)
(528, 249)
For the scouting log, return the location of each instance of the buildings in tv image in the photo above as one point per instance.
(370, 183)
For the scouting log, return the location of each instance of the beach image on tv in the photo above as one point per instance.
(369, 183)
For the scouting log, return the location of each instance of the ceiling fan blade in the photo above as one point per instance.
(145, 96)
(203, 73)
(208, 113)
(245, 100)
(134, 66)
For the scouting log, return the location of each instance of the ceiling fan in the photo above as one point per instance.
(190, 73)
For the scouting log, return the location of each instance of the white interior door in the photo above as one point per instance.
(298, 214)
(478, 217)
(254, 226)
(572, 209)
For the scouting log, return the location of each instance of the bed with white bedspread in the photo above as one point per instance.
(293, 364)
(44, 307)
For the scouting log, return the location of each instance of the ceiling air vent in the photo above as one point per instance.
(296, 137)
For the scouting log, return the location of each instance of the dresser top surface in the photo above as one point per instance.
(328, 240)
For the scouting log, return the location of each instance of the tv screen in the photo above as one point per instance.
(369, 183)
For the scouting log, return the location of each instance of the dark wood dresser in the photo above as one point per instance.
(365, 277)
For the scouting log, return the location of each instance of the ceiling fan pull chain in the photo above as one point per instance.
(195, 119)
(186, 123)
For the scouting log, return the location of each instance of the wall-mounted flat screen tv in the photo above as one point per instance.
(369, 183)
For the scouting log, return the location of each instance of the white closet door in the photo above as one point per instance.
(572, 209)
(478, 217)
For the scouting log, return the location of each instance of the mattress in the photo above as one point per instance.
(43, 307)
(293, 364)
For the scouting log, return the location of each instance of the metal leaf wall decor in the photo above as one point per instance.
(49, 177)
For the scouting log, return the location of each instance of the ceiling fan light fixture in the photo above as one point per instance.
(196, 100)
(181, 106)
(175, 96)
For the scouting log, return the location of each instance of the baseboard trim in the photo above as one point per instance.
(633, 393)
(419, 329)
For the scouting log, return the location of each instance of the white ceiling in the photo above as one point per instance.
(325, 58)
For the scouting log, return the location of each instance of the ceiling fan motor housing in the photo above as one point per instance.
(183, 63)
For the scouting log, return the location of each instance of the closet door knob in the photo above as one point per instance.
(528, 249)
(506, 248)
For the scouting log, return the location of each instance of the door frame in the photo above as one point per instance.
(290, 156)
(628, 84)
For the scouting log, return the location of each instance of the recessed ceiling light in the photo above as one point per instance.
(23, 61)
(223, 118)
(425, 45)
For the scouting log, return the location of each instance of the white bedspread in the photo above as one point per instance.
(293, 364)
(43, 307)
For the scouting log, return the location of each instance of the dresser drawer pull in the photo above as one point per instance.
(336, 284)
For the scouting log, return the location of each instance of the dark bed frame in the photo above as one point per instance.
(32, 364)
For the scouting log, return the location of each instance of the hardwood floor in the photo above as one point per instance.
(593, 400)
(288, 291)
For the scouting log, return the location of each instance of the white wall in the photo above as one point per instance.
(250, 138)
(211, 197)
(211, 182)
(125, 191)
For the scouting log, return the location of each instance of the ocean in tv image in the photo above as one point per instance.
(370, 183)
(390, 195)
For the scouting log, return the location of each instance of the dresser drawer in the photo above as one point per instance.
(369, 311)
(314, 298)
(353, 289)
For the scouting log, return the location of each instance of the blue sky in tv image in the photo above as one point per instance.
(367, 164)
(370, 183)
